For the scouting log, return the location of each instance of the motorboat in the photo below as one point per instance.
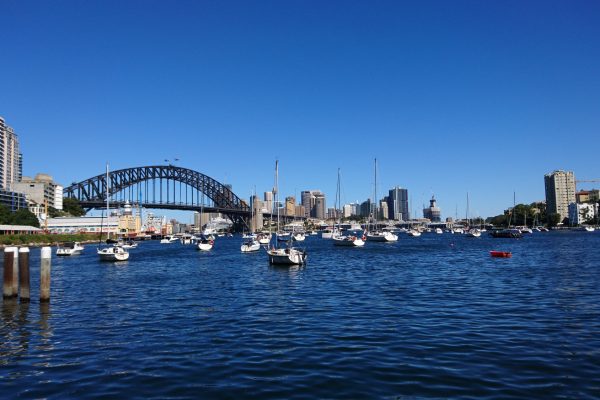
(327, 233)
(298, 236)
(69, 249)
(205, 244)
(128, 244)
(250, 245)
(348, 240)
(263, 238)
(382, 236)
(283, 236)
(439, 231)
(414, 233)
(475, 232)
(113, 253)
(589, 229)
(169, 239)
(500, 254)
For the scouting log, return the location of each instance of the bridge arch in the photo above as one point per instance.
(91, 193)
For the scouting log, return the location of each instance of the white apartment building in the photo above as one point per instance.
(560, 192)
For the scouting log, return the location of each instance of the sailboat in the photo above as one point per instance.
(338, 238)
(508, 232)
(288, 255)
(378, 235)
(250, 243)
(472, 232)
(204, 243)
(115, 252)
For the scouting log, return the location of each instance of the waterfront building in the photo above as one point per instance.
(11, 159)
(347, 210)
(299, 210)
(12, 200)
(154, 224)
(560, 192)
(581, 213)
(129, 224)
(41, 190)
(398, 204)
(84, 224)
(433, 212)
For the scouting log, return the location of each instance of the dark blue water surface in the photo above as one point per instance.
(433, 316)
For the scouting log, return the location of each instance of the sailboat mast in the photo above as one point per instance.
(277, 191)
(107, 204)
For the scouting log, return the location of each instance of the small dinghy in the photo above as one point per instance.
(500, 254)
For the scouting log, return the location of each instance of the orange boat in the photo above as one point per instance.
(501, 254)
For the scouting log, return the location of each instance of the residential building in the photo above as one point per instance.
(398, 204)
(433, 212)
(383, 209)
(11, 159)
(588, 196)
(290, 206)
(560, 192)
(581, 213)
(12, 200)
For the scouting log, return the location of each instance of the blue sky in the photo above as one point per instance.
(451, 97)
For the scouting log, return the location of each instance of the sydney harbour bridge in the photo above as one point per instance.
(161, 187)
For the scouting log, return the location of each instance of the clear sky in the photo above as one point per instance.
(451, 97)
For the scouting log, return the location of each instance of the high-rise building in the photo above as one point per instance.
(433, 212)
(314, 204)
(268, 202)
(290, 206)
(398, 204)
(560, 192)
(11, 160)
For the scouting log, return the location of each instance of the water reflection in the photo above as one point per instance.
(15, 331)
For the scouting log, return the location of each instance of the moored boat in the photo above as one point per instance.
(250, 245)
(113, 253)
(69, 249)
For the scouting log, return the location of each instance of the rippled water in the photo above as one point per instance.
(433, 316)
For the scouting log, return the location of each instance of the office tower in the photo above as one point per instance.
(398, 204)
(560, 192)
(314, 204)
(268, 202)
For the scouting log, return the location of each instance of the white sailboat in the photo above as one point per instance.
(336, 236)
(289, 255)
(378, 235)
(115, 252)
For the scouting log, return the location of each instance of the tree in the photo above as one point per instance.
(72, 207)
(552, 219)
(5, 215)
(25, 217)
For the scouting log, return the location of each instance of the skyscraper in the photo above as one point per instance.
(398, 204)
(560, 192)
(11, 160)
(314, 204)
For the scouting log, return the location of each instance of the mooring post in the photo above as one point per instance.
(15, 282)
(24, 289)
(45, 274)
(7, 285)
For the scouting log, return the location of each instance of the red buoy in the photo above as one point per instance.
(501, 254)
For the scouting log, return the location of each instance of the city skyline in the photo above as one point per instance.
(450, 98)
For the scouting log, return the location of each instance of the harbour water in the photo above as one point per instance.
(433, 316)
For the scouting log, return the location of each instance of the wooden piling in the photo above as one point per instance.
(45, 274)
(24, 289)
(15, 281)
(7, 286)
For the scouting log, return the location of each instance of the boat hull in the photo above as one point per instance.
(348, 242)
(287, 256)
(113, 254)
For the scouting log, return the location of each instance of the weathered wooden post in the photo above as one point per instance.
(45, 274)
(24, 274)
(7, 286)
(15, 282)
